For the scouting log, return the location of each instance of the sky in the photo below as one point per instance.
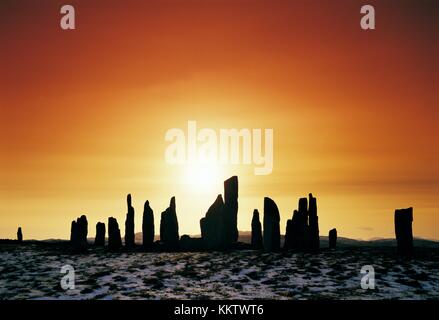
(84, 112)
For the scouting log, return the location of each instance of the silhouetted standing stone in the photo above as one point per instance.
(314, 238)
(129, 224)
(148, 226)
(403, 230)
(73, 232)
(332, 238)
(212, 226)
(219, 228)
(302, 232)
(78, 233)
(82, 229)
(100, 234)
(288, 242)
(231, 211)
(19, 235)
(302, 227)
(114, 238)
(271, 225)
(257, 242)
(297, 230)
(169, 227)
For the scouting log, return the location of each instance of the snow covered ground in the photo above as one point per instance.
(33, 272)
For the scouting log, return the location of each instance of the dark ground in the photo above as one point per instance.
(32, 271)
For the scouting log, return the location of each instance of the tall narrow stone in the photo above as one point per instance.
(19, 235)
(148, 226)
(169, 227)
(231, 210)
(403, 230)
(100, 234)
(129, 224)
(114, 238)
(213, 225)
(314, 238)
(302, 227)
(332, 238)
(82, 229)
(256, 242)
(271, 225)
(288, 242)
(73, 232)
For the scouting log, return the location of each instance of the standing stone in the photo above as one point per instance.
(100, 234)
(271, 225)
(314, 238)
(129, 224)
(78, 233)
(296, 231)
(73, 232)
(302, 232)
(213, 225)
(288, 242)
(19, 235)
(148, 226)
(257, 242)
(403, 230)
(302, 227)
(169, 227)
(219, 229)
(296, 234)
(332, 238)
(114, 238)
(82, 228)
(231, 211)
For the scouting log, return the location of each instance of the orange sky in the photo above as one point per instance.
(83, 113)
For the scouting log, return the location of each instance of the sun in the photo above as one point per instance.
(202, 177)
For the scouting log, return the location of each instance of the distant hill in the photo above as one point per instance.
(245, 237)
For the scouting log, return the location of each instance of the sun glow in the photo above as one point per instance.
(202, 177)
